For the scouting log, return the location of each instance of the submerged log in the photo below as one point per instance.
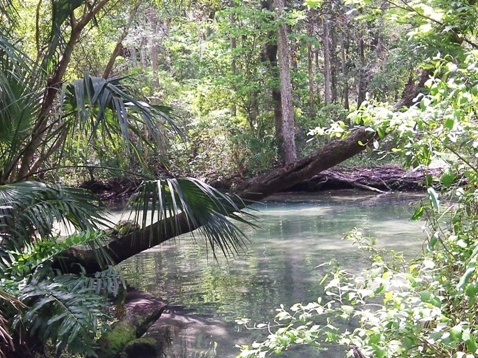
(141, 310)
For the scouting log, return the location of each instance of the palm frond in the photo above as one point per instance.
(19, 104)
(32, 208)
(104, 121)
(96, 100)
(8, 9)
(203, 206)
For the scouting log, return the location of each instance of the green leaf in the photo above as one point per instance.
(449, 123)
(433, 196)
(455, 332)
(447, 179)
(470, 343)
(313, 3)
(417, 215)
(466, 277)
(425, 296)
(471, 290)
(62, 10)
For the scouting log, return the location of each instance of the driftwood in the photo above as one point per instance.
(377, 179)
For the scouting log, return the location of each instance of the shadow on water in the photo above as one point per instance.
(283, 264)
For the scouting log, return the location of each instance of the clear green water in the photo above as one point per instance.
(281, 265)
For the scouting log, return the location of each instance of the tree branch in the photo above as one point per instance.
(119, 45)
(51, 90)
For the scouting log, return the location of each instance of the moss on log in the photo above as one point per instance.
(141, 311)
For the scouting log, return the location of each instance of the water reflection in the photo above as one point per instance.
(282, 265)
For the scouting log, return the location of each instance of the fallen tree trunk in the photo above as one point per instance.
(327, 157)
(378, 179)
(254, 189)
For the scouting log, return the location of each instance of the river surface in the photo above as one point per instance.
(282, 264)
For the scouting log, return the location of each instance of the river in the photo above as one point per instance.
(282, 264)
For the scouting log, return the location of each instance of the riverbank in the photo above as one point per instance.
(387, 178)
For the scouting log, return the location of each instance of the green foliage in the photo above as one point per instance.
(30, 208)
(67, 310)
(50, 120)
(105, 120)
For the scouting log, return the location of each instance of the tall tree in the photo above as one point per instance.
(311, 18)
(288, 149)
(326, 43)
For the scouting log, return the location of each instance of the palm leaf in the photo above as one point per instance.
(19, 104)
(111, 122)
(203, 207)
(31, 207)
(7, 8)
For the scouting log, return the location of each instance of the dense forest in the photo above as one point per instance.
(172, 96)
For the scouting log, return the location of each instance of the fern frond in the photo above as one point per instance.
(60, 310)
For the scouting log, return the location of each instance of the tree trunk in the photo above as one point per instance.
(270, 54)
(344, 53)
(318, 70)
(233, 46)
(333, 63)
(288, 126)
(142, 48)
(141, 310)
(119, 44)
(412, 89)
(362, 84)
(327, 61)
(153, 18)
(311, 15)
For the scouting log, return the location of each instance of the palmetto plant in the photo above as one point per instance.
(37, 300)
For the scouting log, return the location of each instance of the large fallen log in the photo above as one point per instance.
(327, 157)
(378, 179)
